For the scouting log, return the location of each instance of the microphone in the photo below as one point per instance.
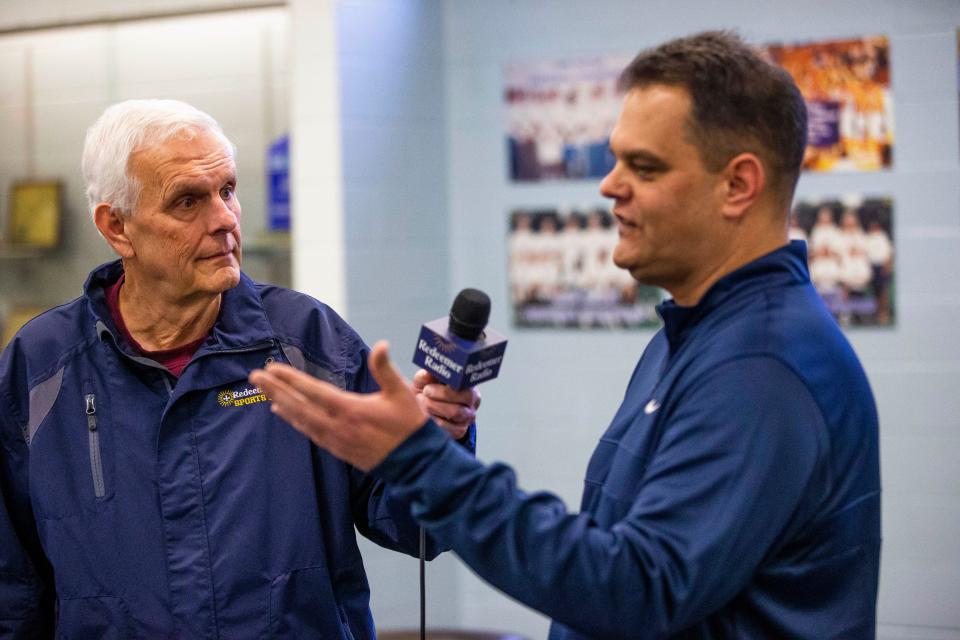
(457, 349)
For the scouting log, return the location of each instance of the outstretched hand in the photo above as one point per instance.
(361, 429)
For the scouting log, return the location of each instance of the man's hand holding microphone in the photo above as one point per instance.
(453, 411)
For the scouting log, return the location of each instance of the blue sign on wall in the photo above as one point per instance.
(278, 184)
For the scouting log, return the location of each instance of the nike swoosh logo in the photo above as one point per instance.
(652, 406)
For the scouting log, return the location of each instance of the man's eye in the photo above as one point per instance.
(227, 192)
(187, 202)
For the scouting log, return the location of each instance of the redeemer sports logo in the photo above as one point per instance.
(241, 398)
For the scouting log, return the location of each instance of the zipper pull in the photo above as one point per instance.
(91, 412)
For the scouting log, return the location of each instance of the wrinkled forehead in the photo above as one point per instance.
(190, 151)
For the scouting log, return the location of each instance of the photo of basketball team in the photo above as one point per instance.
(559, 116)
(562, 273)
(846, 85)
(851, 255)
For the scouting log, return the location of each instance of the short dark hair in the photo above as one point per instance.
(740, 102)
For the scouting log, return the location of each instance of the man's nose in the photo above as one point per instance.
(225, 218)
(612, 185)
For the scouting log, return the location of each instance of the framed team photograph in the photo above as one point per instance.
(851, 255)
(846, 85)
(562, 274)
(559, 117)
(34, 215)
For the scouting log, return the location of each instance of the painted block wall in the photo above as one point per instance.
(558, 389)
(393, 133)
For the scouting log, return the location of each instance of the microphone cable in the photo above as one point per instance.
(467, 320)
(423, 584)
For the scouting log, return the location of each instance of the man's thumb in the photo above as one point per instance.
(386, 375)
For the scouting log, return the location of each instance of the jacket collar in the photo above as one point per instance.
(242, 321)
(786, 265)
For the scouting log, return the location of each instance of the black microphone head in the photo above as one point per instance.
(469, 314)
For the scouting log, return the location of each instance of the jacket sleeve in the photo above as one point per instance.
(713, 499)
(26, 581)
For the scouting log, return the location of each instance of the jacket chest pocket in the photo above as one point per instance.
(71, 457)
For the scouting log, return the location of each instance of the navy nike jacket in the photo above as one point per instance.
(736, 493)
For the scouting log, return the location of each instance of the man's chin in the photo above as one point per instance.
(625, 263)
(225, 278)
(639, 271)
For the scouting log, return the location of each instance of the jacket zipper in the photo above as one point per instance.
(96, 464)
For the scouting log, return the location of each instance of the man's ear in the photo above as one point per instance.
(111, 224)
(744, 182)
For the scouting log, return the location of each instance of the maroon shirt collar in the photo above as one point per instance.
(175, 360)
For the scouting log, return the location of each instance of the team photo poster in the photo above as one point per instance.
(846, 85)
(559, 118)
(560, 113)
(562, 274)
(851, 256)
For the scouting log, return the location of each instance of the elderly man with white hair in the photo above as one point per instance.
(147, 489)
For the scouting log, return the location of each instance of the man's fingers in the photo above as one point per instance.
(386, 375)
(276, 388)
(288, 415)
(455, 431)
(422, 378)
(468, 397)
(456, 413)
(298, 383)
(297, 397)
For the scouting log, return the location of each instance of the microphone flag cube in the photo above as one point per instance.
(454, 361)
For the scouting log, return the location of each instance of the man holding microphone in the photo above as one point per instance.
(736, 493)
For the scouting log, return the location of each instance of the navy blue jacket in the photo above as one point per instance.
(154, 507)
(736, 493)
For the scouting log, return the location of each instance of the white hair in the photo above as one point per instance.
(126, 128)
